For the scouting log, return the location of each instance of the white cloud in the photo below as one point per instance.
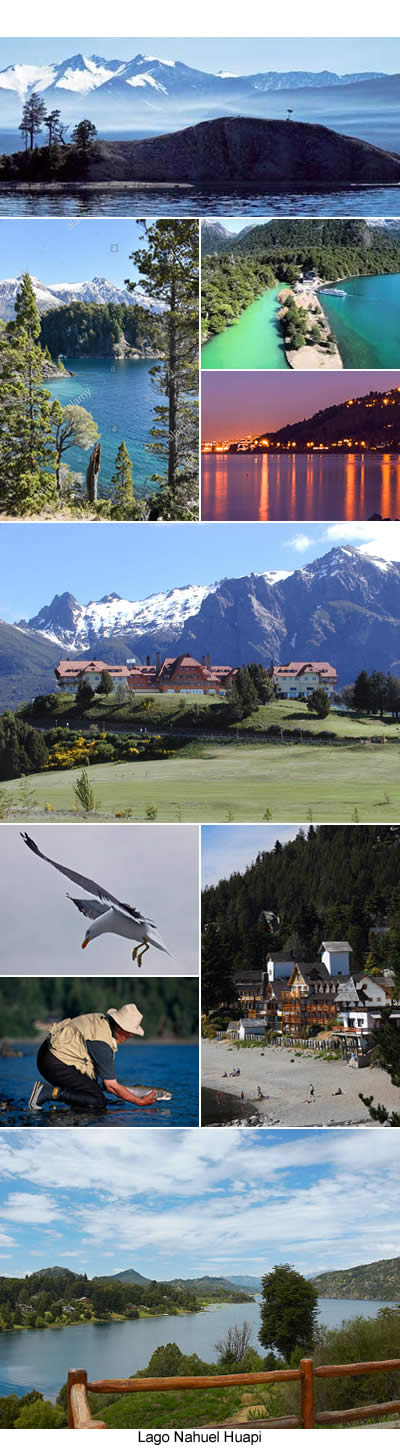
(300, 543)
(381, 540)
(35, 1208)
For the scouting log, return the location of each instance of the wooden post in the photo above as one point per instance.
(307, 1394)
(75, 1377)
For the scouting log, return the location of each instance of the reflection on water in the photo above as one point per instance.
(300, 486)
(172, 201)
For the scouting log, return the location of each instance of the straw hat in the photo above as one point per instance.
(128, 1017)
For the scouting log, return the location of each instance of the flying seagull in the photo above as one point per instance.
(106, 912)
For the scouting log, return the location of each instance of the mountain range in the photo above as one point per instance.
(255, 236)
(115, 92)
(58, 294)
(206, 1283)
(343, 607)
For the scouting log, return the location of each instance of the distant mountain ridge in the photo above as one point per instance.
(148, 87)
(257, 237)
(58, 294)
(379, 1280)
(343, 607)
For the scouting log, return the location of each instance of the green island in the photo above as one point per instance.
(291, 261)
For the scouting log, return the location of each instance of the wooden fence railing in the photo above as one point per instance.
(80, 1418)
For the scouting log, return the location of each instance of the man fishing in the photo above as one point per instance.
(77, 1061)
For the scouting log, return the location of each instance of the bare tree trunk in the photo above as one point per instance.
(92, 474)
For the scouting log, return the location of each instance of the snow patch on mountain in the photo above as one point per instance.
(58, 294)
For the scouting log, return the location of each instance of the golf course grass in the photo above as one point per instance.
(187, 713)
(235, 782)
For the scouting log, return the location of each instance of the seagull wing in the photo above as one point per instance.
(84, 881)
(89, 907)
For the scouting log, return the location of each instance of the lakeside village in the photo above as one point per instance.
(382, 436)
(320, 1005)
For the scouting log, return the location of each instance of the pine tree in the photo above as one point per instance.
(122, 499)
(33, 115)
(27, 454)
(168, 263)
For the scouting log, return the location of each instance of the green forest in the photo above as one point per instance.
(169, 1005)
(279, 252)
(329, 883)
(59, 1296)
(93, 329)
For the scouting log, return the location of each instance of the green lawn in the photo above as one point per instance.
(171, 1407)
(233, 782)
(186, 712)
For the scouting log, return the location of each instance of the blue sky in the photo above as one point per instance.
(242, 55)
(225, 849)
(38, 561)
(69, 251)
(101, 1200)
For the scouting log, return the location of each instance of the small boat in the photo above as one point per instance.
(334, 292)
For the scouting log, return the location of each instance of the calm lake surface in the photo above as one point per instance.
(301, 486)
(254, 341)
(366, 321)
(40, 1358)
(173, 201)
(120, 396)
(170, 1065)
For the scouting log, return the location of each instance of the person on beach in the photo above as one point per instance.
(77, 1060)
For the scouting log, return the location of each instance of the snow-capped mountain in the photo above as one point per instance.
(343, 607)
(110, 90)
(58, 294)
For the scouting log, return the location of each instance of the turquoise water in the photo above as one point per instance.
(267, 486)
(366, 321)
(120, 396)
(41, 1358)
(254, 341)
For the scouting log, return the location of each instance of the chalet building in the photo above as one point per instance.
(279, 964)
(301, 677)
(70, 674)
(182, 675)
(251, 989)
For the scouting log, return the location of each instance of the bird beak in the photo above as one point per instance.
(85, 942)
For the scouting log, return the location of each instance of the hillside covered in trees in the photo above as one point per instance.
(93, 329)
(330, 883)
(169, 1006)
(380, 1280)
(261, 256)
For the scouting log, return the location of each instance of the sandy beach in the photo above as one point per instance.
(302, 359)
(285, 1079)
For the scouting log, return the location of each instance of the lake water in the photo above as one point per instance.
(254, 341)
(152, 201)
(40, 1358)
(300, 486)
(170, 1065)
(366, 321)
(120, 396)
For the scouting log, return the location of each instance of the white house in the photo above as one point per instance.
(335, 956)
(279, 964)
(301, 677)
(250, 1028)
